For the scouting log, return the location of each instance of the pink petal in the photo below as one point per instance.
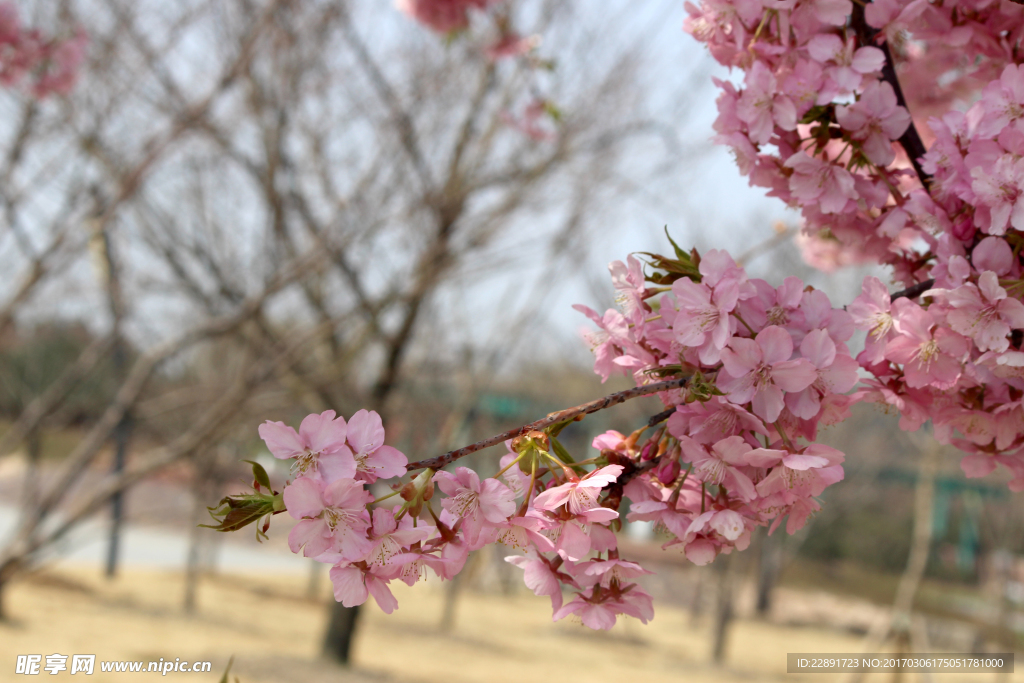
(282, 441)
(793, 375)
(349, 587)
(599, 515)
(347, 493)
(700, 552)
(818, 348)
(497, 502)
(767, 403)
(337, 465)
(765, 457)
(776, 344)
(977, 465)
(304, 533)
(365, 431)
(573, 542)
(378, 588)
(304, 498)
(387, 462)
(797, 461)
(322, 433)
(383, 522)
(553, 497)
(742, 356)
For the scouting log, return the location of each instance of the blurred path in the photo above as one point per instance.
(144, 546)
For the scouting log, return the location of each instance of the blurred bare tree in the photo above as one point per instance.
(323, 189)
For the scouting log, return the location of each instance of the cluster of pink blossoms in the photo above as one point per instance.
(50, 64)
(769, 365)
(816, 121)
(559, 527)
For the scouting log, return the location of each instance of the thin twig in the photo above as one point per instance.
(661, 417)
(913, 291)
(911, 139)
(552, 418)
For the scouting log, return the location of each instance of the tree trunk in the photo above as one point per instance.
(723, 608)
(193, 563)
(7, 571)
(451, 598)
(769, 559)
(341, 632)
(32, 486)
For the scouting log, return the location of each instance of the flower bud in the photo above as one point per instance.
(668, 472)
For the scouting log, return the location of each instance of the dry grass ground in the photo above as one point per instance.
(273, 632)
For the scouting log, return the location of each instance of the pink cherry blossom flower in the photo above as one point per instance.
(876, 120)
(802, 474)
(1003, 101)
(762, 106)
(993, 253)
(408, 566)
(597, 608)
(719, 466)
(759, 370)
(614, 330)
(571, 534)
(595, 615)
(630, 287)
(728, 524)
(578, 496)
(388, 540)
(616, 570)
(373, 459)
(318, 448)
(479, 505)
(814, 180)
(837, 373)
(846, 67)
(1000, 193)
(332, 517)
(704, 315)
(871, 312)
(930, 354)
(712, 421)
(984, 313)
(352, 585)
(539, 576)
(523, 533)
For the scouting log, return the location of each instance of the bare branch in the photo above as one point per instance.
(565, 415)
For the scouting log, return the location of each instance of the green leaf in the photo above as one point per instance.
(556, 429)
(565, 456)
(259, 474)
(680, 254)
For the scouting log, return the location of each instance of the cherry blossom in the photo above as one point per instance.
(332, 518)
(318, 448)
(760, 371)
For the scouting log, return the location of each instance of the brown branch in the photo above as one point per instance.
(552, 418)
(914, 291)
(911, 139)
(661, 417)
